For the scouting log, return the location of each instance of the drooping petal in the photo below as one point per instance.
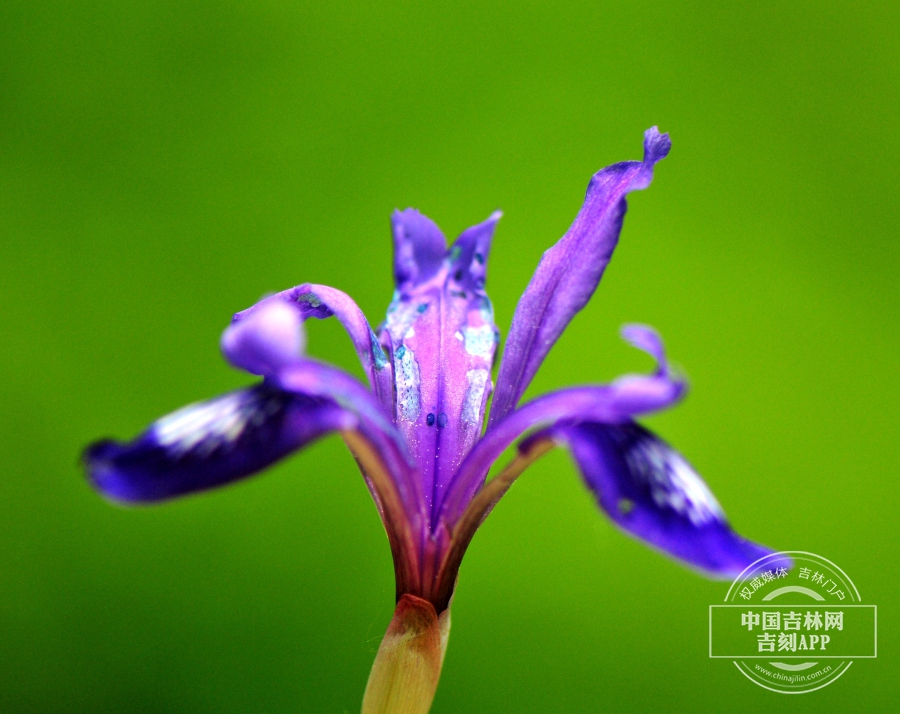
(321, 302)
(211, 443)
(227, 438)
(642, 483)
(443, 340)
(569, 272)
(618, 402)
(419, 248)
(649, 490)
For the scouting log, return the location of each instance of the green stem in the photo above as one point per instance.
(407, 668)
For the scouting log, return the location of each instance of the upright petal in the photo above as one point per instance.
(443, 340)
(469, 253)
(419, 248)
(569, 272)
(321, 302)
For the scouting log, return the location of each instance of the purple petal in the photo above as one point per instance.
(419, 248)
(569, 272)
(321, 302)
(266, 340)
(651, 492)
(211, 443)
(641, 394)
(443, 341)
(644, 485)
(469, 253)
(233, 436)
(647, 339)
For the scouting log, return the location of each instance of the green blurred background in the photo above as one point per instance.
(164, 164)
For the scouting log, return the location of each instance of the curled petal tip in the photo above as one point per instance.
(265, 339)
(656, 146)
(645, 338)
(638, 393)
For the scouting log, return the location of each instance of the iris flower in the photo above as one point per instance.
(417, 429)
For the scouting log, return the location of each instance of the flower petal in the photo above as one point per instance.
(230, 437)
(469, 253)
(569, 272)
(641, 482)
(211, 443)
(443, 340)
(646, 487)
(266, 339)
(372, 423)
(649, 490)
(321, 302)
(419, 248)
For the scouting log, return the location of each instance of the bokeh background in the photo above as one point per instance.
(164, 164)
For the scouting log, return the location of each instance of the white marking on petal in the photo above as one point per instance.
(209, 425)
(408, 381)
(473, 403)
(480, 341)
(400, 318)
(673, 483)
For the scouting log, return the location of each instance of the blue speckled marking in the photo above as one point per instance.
(310, 298)
(406, 372)
(378, 356)
(673, 483)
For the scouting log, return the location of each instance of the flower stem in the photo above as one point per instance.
(407, 668)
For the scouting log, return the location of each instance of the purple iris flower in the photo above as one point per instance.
(417, 428)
